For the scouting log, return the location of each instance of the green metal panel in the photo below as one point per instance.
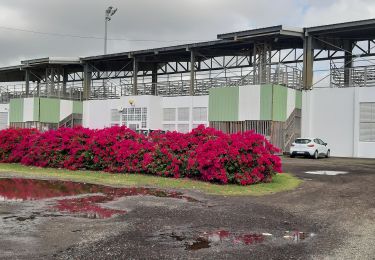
(49, 110)
(16, 110)
(266, 102)
(280, 99)
(223, 104)
(77, 107)
(36, 109)
(299, 99)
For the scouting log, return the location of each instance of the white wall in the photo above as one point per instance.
(66, 108)
(4, 109)
(153, 104)
(182, 102)
(249, 103)
(365, 149)
(97, 113)
(332, 114)
(305, 113)
(331, 118)
(291, 102)
(28, 109)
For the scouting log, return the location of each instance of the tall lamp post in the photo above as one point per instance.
(109, 12)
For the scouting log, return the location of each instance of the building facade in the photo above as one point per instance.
(260, 80)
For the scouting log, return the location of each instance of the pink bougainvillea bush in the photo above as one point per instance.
(203, 154)
(10, 140)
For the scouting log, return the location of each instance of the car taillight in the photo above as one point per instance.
(310, 145)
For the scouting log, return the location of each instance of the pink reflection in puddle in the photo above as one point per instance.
(206, 239)
(18, 189)
(249, 239)
(87, 207)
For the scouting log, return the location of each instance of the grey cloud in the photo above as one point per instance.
(162, 20)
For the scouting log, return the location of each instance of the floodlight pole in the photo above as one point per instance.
(109, 12)
(105, 34)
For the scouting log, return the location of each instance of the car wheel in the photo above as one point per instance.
(316, 155)
(328, 154)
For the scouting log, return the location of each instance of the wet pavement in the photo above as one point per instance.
(89, 206)
(327, 217)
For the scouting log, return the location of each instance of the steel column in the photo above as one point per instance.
(308, 62)
(65, 79)
(87, 77)
(192, 73)
(348, 61)
(135, 76)
(154, 79)
(27, 82)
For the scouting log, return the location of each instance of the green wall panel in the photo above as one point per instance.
(78, 107)
(299, 99)
(273, 102)
(36, 109)
(223, 104)
(280, 99)
(265, 102)
(16, 110)
(49, 110)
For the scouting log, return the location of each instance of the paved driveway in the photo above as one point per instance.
(327, 217)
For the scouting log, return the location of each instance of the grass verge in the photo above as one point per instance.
(281, 182)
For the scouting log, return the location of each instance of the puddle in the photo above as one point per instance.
(88, 207)
(207, 239)
(17, 189)
(226, 238)
(331, 173)
(297, 236)
(199, 243)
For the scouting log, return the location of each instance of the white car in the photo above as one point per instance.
(313, 147)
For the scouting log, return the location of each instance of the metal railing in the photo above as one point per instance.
(282, 75)
(108, 89)
(353, 77)
(70, 91)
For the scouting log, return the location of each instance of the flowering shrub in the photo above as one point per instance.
(9, 143)
(62, 148)
(204, 154)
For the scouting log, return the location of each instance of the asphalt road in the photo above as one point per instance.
(327, 217)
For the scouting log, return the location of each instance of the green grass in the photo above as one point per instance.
(281, 182)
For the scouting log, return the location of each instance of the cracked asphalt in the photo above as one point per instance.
(335, 216)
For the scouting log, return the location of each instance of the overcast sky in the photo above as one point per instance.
(158, 22)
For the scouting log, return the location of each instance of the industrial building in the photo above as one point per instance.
(261, 80)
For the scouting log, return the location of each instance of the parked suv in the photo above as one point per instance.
(313, 147)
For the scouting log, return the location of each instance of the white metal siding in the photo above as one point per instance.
(3, 120)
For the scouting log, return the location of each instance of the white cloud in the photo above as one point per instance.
(326, 12)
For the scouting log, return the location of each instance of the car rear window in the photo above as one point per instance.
(302, 141)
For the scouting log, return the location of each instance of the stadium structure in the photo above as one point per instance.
(260, 79)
